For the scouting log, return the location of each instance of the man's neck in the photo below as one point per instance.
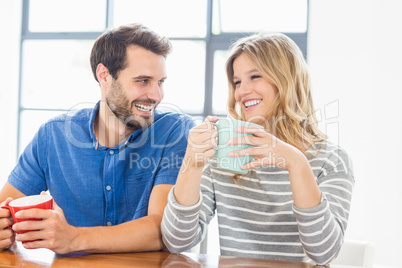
(108, 129)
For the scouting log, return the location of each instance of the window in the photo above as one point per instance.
(233, 16)
(57, 36)
(66, 16)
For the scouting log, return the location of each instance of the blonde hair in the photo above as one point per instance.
(280, 61)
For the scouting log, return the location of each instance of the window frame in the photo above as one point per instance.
(213, 42)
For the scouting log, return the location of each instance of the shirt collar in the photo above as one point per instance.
(92, 117)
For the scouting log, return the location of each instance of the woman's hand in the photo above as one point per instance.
(201, 143)
(266, 149)
(200, 147)
(271, 151)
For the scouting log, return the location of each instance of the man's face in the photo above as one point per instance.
(138, 89)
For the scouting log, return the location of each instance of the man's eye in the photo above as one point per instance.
(161, 81)
(143, 81)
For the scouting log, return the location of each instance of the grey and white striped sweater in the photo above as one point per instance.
(257, 217)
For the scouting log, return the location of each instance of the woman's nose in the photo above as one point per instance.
(244, 89)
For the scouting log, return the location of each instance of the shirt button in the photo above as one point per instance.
(111, 152)
(108, 188)
(109, 223)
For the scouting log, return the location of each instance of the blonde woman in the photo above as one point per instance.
(294, 202)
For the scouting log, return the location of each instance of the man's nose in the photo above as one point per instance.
(156, 92)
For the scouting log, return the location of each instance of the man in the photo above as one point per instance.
(110, 168)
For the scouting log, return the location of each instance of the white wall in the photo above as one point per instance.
(355, 55)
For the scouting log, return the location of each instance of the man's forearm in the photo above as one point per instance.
(138, 235)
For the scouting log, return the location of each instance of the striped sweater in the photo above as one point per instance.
(256, 214)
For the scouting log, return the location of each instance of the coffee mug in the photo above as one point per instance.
(28, 202)
(226, 128)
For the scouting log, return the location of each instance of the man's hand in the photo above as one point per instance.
(7, 236)
(51, 232)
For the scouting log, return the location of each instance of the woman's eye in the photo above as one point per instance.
(236, 83)
(255, 76)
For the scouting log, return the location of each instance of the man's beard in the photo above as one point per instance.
(121, 107)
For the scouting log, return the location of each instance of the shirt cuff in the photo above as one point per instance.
(178, 208)
(303, 214)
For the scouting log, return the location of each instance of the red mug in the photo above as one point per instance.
(28, 202)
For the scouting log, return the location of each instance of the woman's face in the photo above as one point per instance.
(254, 94)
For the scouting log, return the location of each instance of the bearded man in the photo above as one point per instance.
(110, 168)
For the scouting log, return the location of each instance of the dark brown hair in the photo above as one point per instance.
(110, 48)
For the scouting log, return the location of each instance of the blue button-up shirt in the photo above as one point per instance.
(96, 185)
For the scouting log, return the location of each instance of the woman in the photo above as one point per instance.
(294, 202)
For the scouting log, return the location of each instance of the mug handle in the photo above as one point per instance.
(7, 207)
(217, 137)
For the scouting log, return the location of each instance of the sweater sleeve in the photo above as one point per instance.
(183, 227)
(322, 228)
